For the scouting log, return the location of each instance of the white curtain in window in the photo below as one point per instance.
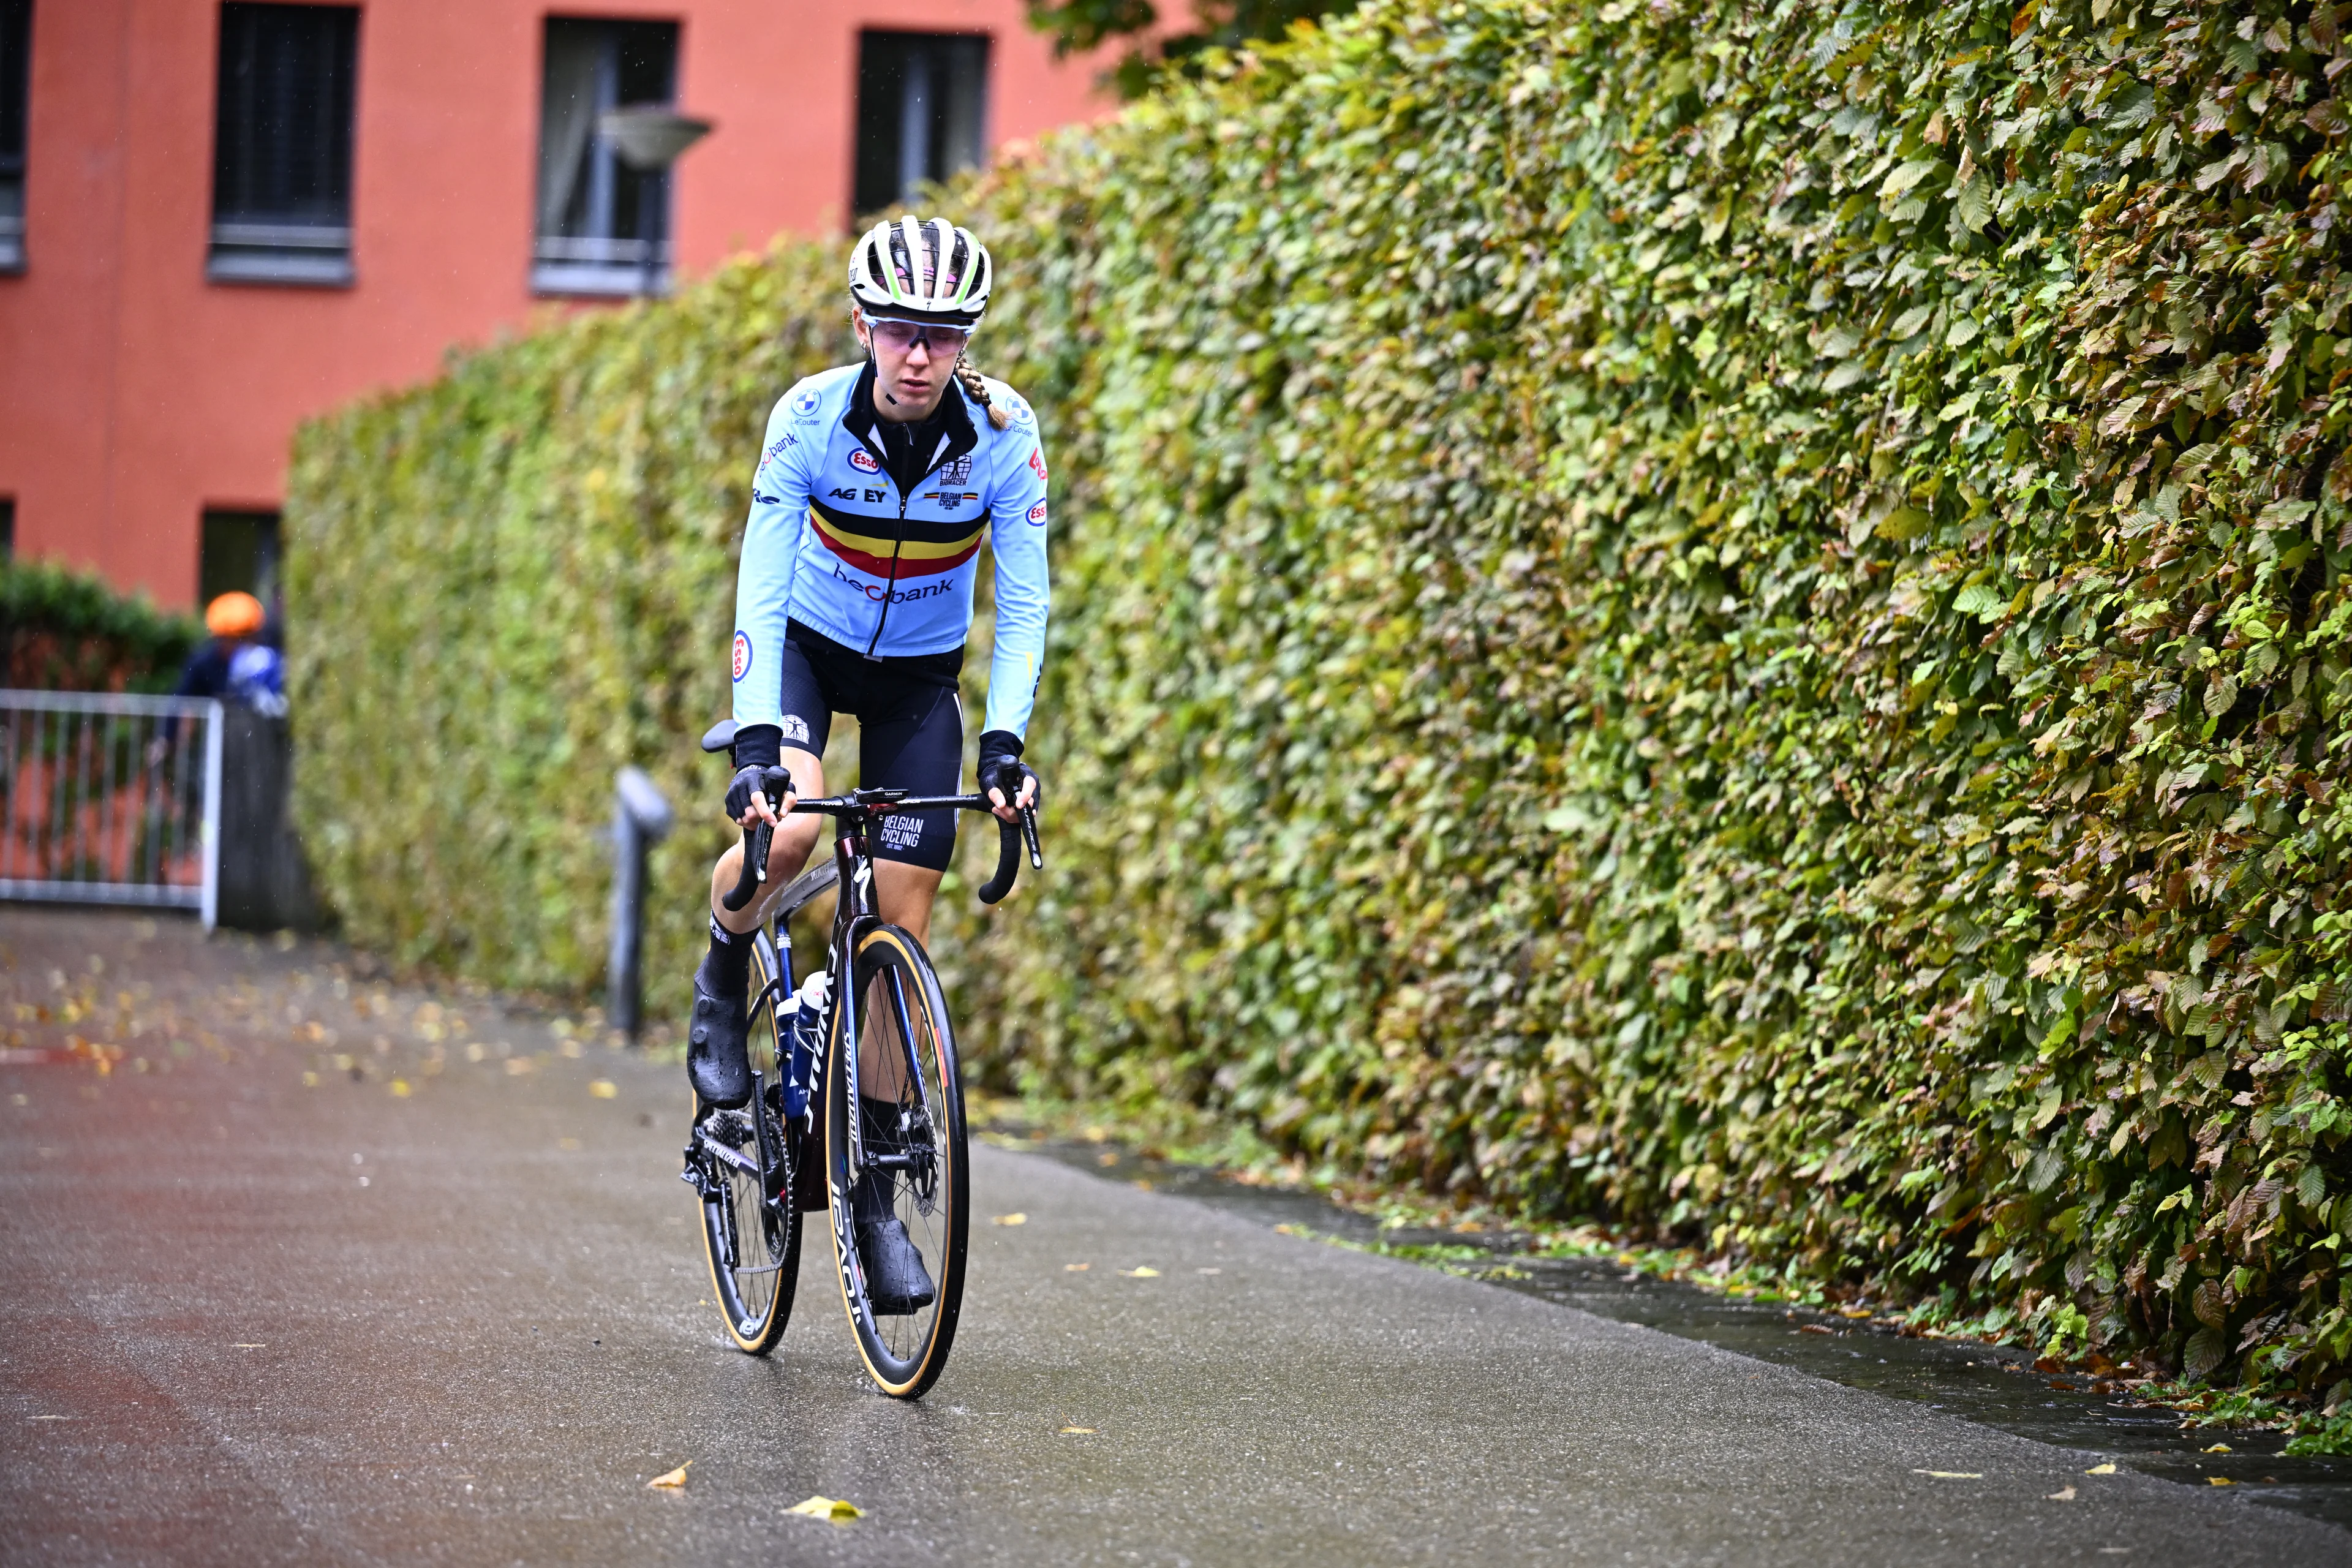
(567, 117)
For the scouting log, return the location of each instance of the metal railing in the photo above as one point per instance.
(110, 799)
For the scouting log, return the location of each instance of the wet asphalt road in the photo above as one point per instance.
(249, 1319)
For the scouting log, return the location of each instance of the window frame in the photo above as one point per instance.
(603, 266)
(941, 130)
(246, 245)
(17, 87)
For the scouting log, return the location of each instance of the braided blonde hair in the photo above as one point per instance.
(978, 391)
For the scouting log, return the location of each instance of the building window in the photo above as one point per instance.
(604, 226)
(238, 551)
(282, 144)
(16, 101)
(922, 112)
(8, 527)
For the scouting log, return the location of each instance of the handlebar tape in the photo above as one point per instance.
(1011, 838)
(755, 867)
(1008, 862)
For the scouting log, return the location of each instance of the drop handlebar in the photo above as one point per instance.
(1012, 837)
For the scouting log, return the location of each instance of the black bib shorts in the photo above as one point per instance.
(910, 729)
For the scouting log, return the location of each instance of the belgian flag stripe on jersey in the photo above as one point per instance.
(930, 547)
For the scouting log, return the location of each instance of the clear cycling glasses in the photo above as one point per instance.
(900, 337)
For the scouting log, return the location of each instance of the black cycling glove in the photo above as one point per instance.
(1001, 767)
(774, 783)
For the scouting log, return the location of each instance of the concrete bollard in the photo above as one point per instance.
(640, 819)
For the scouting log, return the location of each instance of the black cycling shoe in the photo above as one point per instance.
(896, 1281)
(718, 1044)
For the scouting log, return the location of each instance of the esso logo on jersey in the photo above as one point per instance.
(1037, 515)
(742, 656)
(1037, 463)
(864, 462)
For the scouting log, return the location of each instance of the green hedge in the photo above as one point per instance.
(66, 630)
(1726, 614)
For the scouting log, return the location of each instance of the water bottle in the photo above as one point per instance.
(808, 1018)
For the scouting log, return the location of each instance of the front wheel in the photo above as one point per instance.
(907, 1167)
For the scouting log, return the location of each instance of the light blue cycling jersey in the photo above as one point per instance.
(834, 543)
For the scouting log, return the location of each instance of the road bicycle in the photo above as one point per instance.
(880, 1039)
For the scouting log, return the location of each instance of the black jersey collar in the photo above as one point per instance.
(860, 420)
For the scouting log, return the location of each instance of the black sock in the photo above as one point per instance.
(729, 967)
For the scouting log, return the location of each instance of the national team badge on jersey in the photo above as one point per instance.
(742, 656)
(1037, 515)
(958, 472)
(1037, 463)
(863, 461)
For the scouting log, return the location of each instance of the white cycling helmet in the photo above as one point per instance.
(921, 271)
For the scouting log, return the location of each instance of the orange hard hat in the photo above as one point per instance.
(234, 615)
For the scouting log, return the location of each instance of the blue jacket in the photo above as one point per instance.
(834, 542)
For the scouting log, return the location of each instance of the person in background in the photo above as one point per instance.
(233, 664)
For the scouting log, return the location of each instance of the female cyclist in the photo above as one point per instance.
(875, 484)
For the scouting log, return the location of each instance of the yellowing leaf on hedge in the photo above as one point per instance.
(671, 1480)
(841, 1511)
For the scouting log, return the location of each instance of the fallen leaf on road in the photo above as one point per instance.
(1208, 1271)
(1952, 1475)
(1146, 1272)
(1853, 1311)
(1078, 1431)
(2220, 1481)
(1814, 1329)
(567, 1142)
(604, 1088)
(841, 1511)
(672, 1480)
(1106, 1158)
(2064, 1495)
(1075, 1268)
(2100, 1470)
(400, 1089)
(2220, 1448)
(1012, 1219)
(242, 1346)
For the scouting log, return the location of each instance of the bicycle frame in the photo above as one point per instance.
(853, 915)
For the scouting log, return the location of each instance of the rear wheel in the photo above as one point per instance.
(915, 1167)
(750, 1227)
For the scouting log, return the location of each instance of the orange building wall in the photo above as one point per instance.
(134, 395)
